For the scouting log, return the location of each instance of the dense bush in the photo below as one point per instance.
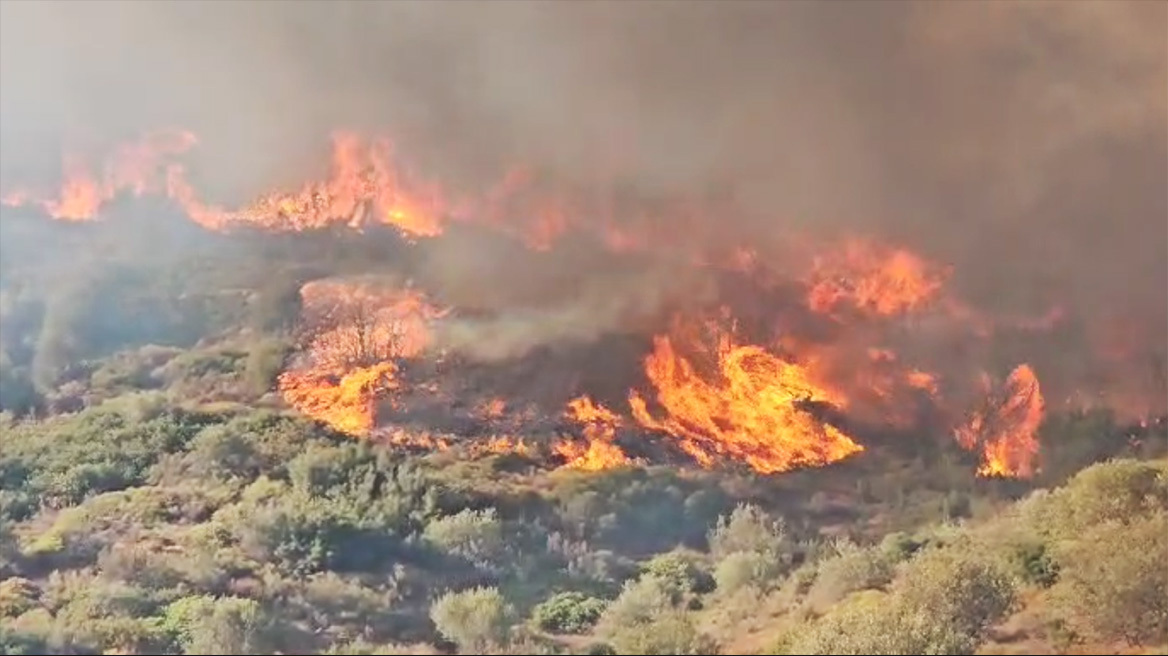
(848, 569)
(568, 612)
(475, 619)
(1113, 581)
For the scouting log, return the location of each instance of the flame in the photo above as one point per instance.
(598, 451)
(345, 403)
(491, 409)
(136, 168)
(753, 410)
(873, 279)
(365, 185)
(364, 178)
(355, 334)
(1006, 428)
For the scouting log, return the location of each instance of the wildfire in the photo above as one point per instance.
(1006, 428)
(872, 279)
(344, 402)
(754, 404)
(356, 333)
(754, 410)
(599, 450)
(365, 185)
(136, 168)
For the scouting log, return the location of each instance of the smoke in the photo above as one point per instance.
(1025, 143)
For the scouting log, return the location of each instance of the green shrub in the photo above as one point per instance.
(851, 568)
(17, 595)
(568, 612)
(679, 571)
(670, 632)
(473, 535)
(1112, 581)
(475, 619)
(226, 625)
(943, 604)
(744, 569)
(749, 529)
(1036, 565)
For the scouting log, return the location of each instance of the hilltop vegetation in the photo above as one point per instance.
(156, 497)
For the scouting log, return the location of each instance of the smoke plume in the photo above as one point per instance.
(1023, 143)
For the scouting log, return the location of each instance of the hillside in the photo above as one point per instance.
(157, 497)
(641, 328)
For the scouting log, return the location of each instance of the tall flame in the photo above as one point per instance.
(1006, 428)
(753, 410)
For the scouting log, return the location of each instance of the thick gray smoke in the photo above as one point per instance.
(1025, 143)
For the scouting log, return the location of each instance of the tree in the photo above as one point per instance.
(1118, 490)
(475, 619)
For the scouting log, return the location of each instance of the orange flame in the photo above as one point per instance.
(491, 409)
(345, 403)
(872, 279)
(1007, 426)
(355, 334)
(365, 185)
(753, 411)
(599, 451)
(136, 168)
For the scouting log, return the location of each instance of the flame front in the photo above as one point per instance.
(365, 185)
(599, 450)
(1006, 428)
(753, 411)
(136, 168)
